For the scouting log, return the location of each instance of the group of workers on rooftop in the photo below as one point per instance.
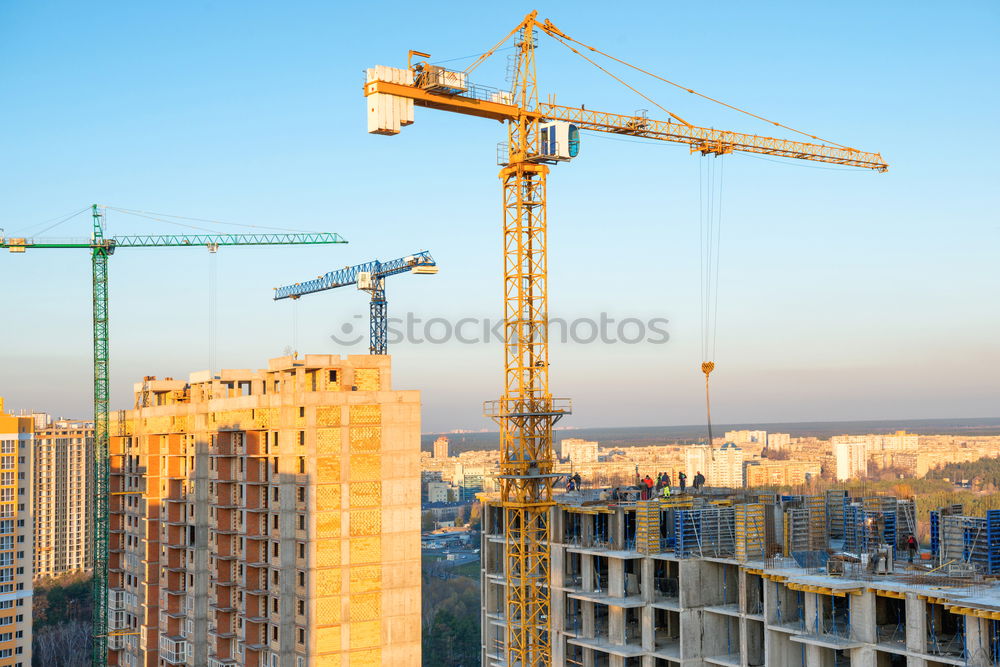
(646, 488)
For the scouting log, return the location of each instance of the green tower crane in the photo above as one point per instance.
(101, 249)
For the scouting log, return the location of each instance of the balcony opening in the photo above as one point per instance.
(890, 619)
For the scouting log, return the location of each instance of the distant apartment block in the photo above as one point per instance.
(16, 435)
(63, 480)
(779, 441)
(850, 455)
(268, 518)
(441, 448)
(746, 437)
(722, 466)
(579, 451)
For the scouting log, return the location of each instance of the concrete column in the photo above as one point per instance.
(864, 656)
(647, 582)
(977, 640)
(616, 577)
(587, 626)
(557, 566)
(587, 530)
(690, 583)
(916, 623)
(617, 529)
(616, 625)
(690, 634)
(811, 605)
(557, 523)
(863, 618)
(770, 601)
(587, 572)
(817, 656)
(616, 661)
(744, 647)
(647, 621)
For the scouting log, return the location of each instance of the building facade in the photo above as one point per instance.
(441, 448)
(684, 582)
(268, 519)
(16, 528)
(850, 457)
(63, 481)
(746, 437)
(578, 451)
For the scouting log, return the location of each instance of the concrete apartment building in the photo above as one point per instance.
(850, 456)
(738, 579)
(578, 451)
(16, 434)
(441, 448)
(268, 518)
(63, 480)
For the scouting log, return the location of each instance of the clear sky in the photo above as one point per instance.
(844, 294)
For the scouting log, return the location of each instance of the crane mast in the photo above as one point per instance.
(526, 412)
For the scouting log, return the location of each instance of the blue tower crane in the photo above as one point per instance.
(369, 277)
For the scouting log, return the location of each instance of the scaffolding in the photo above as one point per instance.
(906, 516)
(749, 532)
(797, 530)
(817, 520)
(705, 532)
(836, 500)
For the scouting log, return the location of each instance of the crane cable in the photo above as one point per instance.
(552, 31)
(710, 236)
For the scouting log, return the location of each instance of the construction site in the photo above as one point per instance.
(270, 518)
(738, 580)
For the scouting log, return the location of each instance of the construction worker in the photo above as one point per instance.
(699, 481)
(577, 481)
(682, 479)
(648, 484)
(666, 491)
(912, 546)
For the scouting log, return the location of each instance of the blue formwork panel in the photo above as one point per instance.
(935, 533)
(687, 525)
(993, 541)
(889, 531)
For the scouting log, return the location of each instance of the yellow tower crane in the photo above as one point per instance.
(539, 135)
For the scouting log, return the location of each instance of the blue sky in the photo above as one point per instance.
(844, 294)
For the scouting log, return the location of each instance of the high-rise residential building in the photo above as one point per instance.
(900, 440)
(441, 448)
(63, 481)
(727, 467)
(16, 434)
(850, 454)
(268, 519)
(698, 459)
(779, 441)
(721, 467)
(579, 451)
(746, 437)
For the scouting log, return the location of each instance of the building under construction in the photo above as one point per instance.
(267, 518)
(741, 579)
